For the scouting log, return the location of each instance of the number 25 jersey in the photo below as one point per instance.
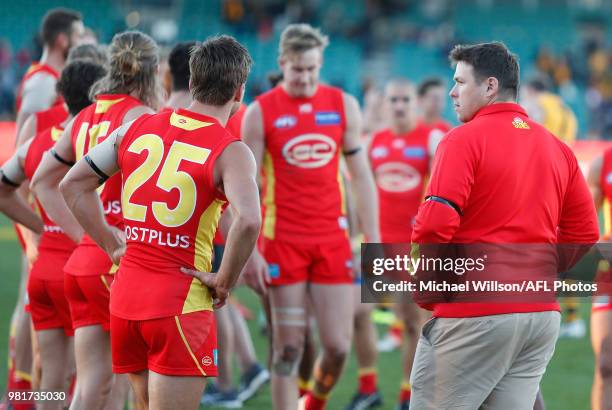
(171, 209)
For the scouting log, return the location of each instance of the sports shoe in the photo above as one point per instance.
(575, 329)
(388, 343)
(215, 397)
(362, 401)
(251, 381)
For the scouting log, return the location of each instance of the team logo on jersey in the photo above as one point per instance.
(285, 121)
(398, 143)
(520, 124)
(414, 152)
(609, 178)
(309, 150)
(207, 361)
(397, 177)
(305, 108)
(327, 118)
(379, 152)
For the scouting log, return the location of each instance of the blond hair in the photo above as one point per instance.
(297, 38)
(134, 57)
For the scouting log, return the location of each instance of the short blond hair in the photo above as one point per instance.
(297, 38)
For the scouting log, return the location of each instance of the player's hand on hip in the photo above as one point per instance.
(256, 274)
(211, 281)
(115, 248)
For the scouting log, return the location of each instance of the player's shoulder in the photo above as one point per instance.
(268, 96)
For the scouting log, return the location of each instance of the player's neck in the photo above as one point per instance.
(219, 113)
(401, 129)
(53, 58)
(292, 95)
(179, 99)
(432, 118)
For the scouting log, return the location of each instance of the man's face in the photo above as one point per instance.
(432, 103)
(77, 32)
(468, 94)
(400, 103)
(301, 72)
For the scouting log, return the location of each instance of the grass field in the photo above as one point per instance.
(566, 385)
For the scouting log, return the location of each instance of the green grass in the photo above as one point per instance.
(566, 385)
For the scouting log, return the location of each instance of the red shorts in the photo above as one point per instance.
(327, 263)
(88, 298)
(184, 345)
(48, 305)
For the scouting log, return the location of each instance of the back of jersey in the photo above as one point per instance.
(171, 208)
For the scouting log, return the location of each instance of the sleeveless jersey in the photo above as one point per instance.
(54, 246)
(171, 209)
(606, 191)
(34, 69)
(401, 165)
(303, 199)
(51, 117)
(90, 127)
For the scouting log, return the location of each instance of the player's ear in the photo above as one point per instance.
(240, 93)
(492, 86)
(62, 41)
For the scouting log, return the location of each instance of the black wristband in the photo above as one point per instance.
(445, 202)
(101, 174)
(351, 151)
(7, 181)
(53, 152)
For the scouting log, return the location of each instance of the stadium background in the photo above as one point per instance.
(566, 42)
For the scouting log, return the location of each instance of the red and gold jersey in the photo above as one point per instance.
(235, 122)
(90, 127)
(606, 191)
(51, 117)
(171, 208)
(401, 165)
(303, 198)
(54, 245)
(34, 69)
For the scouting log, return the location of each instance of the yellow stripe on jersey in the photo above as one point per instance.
(187, 123)
(180, 329)
(113, 269)
(56, 133)
(198, 298)
(606, 216)
(104, 105)
(106, 285)
(269, 200)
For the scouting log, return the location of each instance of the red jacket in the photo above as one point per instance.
(514, 182)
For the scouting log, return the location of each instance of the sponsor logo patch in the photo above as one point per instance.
(274, 270)
(414, 152)
(379, 152)
(520, 124)
(285, 121)
(327, 118)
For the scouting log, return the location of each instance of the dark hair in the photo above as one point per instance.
(429, 83)
(491, 60)
(134, 57)
(178, 60)
(539, 84)
(58, 21)
(274, 78)
(91, 52)
(219, 66)
(76, 80)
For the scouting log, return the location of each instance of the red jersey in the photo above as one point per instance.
(235, 121)
(51, 117)
(401, 166)
(34, 69)
(54, 246)
(303, 197)
(514, 182)
(89, 128)
(171, 208)
(605, 182)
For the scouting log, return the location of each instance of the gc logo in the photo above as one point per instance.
(310, 150)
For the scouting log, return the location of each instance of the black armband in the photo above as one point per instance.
(7, 181)
(53, 152)
(101, 174)
(351, 151)
(445, 202)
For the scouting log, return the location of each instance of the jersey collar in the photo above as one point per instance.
(500, 107)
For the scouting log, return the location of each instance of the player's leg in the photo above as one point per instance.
(413, 318)
(119, 393)
(23, 333)
(601, 339)
(364, 337)
(140, 386)
(309, 356)
(334, 312)
(54, 351)
(172, 392)
(289, 321)
(254, 375)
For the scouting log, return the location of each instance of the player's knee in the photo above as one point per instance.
(337, 353)
(412, 329)
(286, 359)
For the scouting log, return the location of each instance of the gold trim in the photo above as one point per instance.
(180, 329)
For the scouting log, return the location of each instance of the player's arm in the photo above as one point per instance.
(235, 171)
(362, 180)
(38, 94)
(252, 132)
(452, 177)
(12, 204)
(26, 132)
(45, 184)
(594, 181)
(79, 189)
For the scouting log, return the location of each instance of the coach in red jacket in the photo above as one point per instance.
(498, 178)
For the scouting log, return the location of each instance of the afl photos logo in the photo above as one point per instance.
(309, 150)
(397, 177)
